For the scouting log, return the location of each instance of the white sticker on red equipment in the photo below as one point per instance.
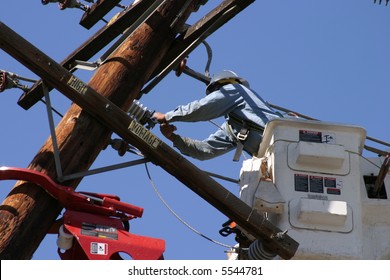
(99, 248)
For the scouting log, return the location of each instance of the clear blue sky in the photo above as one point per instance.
(325, 59)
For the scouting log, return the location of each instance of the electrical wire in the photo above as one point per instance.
(53, 109)
(178, 217)
(365, 158)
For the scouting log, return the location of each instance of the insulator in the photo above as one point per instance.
(10, 80)
(63, 4)
(141, 114)
(6, 81)
(3, 81)
(257, 251)
(64, 240)
(180, 68)
(45, 2)
(137, 111)
(380, 2)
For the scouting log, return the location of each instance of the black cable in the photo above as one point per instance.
(177, 216)
(53, 109)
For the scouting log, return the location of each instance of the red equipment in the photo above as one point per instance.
(95, 226)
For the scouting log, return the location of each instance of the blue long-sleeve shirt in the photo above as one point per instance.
(239, 105)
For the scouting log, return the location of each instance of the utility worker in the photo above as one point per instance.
(228, 95)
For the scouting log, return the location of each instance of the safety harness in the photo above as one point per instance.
(246, 126)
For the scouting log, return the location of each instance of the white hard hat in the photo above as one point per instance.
(223, 75)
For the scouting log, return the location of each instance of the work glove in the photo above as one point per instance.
(167, 130)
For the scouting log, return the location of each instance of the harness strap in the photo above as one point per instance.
(218, 84)
(243, 134)
(250, 125)
(241, 137)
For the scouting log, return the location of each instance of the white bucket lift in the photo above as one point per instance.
(310, 177)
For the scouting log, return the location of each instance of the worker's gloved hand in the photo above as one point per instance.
(167, 130)
(160, 117)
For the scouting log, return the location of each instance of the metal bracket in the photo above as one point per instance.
(60, 176)
(84, 65)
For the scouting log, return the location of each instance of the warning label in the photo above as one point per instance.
(310, 136)
(99, 248)
(100, 231)
(301, 182)
(77, 85)
(144, 134)
(317, 137)
(317, 184)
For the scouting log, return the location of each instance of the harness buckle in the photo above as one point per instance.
(241, 137)
(243, 134)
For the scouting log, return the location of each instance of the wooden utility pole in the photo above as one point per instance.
(28, 212)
